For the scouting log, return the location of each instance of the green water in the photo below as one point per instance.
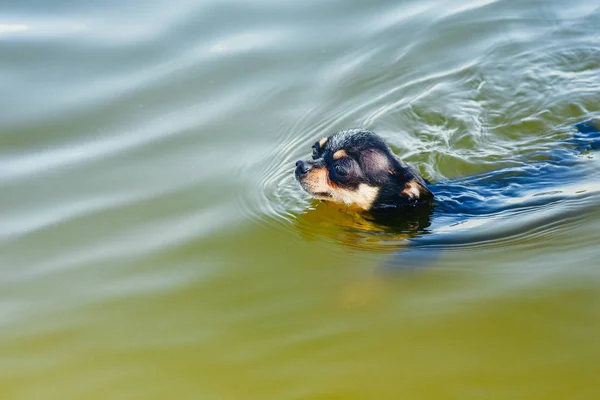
(154, 244)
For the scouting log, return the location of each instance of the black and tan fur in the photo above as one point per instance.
(357, 168)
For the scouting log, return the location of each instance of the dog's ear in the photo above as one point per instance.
(375, 163)
(317, 148)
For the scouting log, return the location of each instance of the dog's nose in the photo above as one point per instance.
(302, 167)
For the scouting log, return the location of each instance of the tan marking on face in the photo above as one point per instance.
(316, 181)
(363, 196)
(317, 184)
(322, 142)
(339, 154)
(412, 190)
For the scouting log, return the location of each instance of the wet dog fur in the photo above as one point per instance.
(357, 168)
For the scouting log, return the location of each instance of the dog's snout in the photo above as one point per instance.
(302, 167)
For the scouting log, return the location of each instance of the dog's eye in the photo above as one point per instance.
(340, 170)
(315, 153)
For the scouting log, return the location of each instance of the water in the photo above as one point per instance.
(154, 243)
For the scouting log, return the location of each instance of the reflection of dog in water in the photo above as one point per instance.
(358, 169)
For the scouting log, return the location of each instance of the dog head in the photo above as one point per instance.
(357, 168)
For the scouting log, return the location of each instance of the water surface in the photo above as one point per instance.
(153, 241)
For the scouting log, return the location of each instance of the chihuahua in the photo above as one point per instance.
(357, 168)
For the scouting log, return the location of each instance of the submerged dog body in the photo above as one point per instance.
(358, 168)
